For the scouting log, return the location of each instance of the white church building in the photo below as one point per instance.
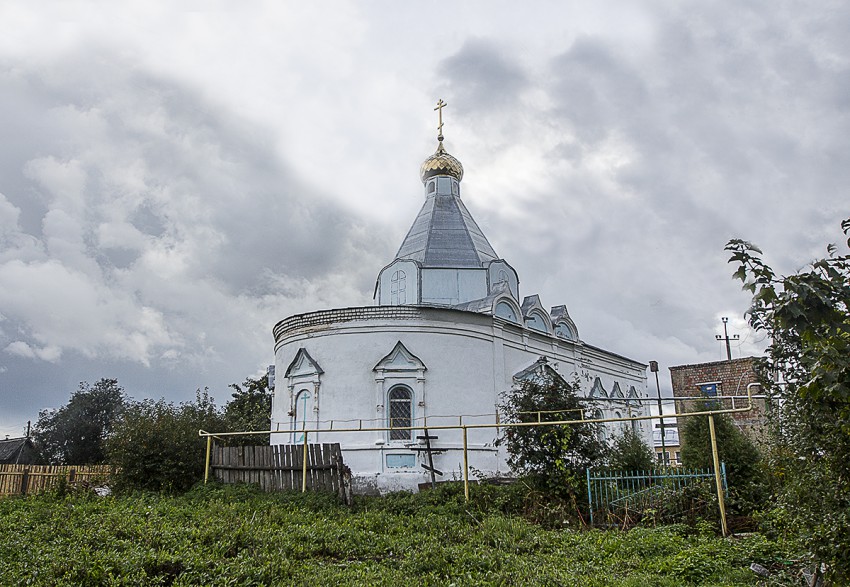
(447, 335)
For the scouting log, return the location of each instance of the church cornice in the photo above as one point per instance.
(323, 319)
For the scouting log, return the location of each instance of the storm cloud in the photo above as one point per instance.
(172, 183)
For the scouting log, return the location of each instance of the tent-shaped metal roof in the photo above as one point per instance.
(444, 234)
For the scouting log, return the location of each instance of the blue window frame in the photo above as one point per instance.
(400, 399)
(708, 389)
(299, 415)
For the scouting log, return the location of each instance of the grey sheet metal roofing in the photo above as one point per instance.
(485, 305)
(11, 447)
(444, 234)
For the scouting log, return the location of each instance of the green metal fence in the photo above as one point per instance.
(620, 496)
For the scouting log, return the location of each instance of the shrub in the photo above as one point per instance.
(249, 408)
(630, 452)
(156, 444)
(556, 455)
(744, 475)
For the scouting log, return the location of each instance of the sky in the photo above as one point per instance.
(175, 178)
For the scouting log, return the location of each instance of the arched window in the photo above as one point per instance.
(503, 276)
(536, 322)
(504, 310)
(562, 330)
(400, 399)
(299, 415)
(398, 287)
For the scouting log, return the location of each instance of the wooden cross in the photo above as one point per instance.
(439, 109)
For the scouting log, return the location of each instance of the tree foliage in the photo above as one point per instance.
(553, 454)
(807, 317)
(156, 444)
(75, 433)
(250, 408)
(735, 449)
(630, 452)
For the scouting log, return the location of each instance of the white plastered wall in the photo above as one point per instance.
(469, 360)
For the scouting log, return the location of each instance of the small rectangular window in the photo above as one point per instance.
(401, 461)
(709, 389)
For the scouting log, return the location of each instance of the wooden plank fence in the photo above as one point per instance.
(30, 479)
(280, 467)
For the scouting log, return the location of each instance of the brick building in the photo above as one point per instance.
(723, 379)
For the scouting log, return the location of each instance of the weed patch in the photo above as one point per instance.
(240, 536)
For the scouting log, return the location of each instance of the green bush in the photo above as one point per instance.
(249, 408)
(629, 452)
(557, 455)
(745, 477)
(156, 446)
(692, 504)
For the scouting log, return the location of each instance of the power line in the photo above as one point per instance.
(726, 338)
(12, 432)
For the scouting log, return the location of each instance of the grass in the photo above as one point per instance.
(238, 536)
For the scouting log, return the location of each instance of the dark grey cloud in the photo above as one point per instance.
(482, 78)
(149, 232)
(658, 154)
(720, 123)
(593, 88)
(164, 231)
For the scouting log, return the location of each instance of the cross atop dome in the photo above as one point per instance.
(439, 109)
(440, 163)
(444, 237)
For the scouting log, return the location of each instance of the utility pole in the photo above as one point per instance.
(653, 367)
(727, 339)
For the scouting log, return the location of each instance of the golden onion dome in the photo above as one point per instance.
(440, 163)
